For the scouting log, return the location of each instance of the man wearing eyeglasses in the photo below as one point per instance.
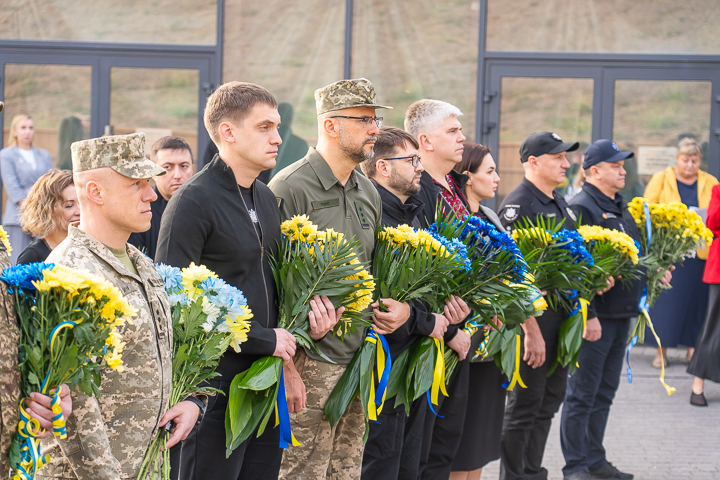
(395, 170)
(325, 186)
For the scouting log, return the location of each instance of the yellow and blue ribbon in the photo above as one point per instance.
(282, 416)
(438, 384)
(384, 365)
(29, 429)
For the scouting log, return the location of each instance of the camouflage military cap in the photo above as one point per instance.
(346, 94)
(123, 153)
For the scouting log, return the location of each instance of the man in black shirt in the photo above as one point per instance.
(175, 156)
(395, 171)
(225, 219)
(530, 410)
(591, 389)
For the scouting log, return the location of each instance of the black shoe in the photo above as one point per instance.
(698, 399)
(609, 471)
(581, 475)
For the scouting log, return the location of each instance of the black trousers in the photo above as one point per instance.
(203, 452)
(413, 440)
(445, 429)
(530, 410)
(383, 450)
(590, 392)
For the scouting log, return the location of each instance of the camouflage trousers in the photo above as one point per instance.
(333, 453)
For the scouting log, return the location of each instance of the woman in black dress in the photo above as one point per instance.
(51, 205)
(480, 443)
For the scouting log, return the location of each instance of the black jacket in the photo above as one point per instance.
(429, 195)
(207, 222)
(420, 323)
(146, 242)
(595, 208)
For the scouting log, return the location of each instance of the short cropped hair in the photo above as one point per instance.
(389, 141)
(688, 146)
(40, 213)
(426, 115)
(472, 157)
(233, 101)
(169, 143)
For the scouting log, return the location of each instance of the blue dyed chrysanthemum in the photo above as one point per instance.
(22, 276)
(171, 276)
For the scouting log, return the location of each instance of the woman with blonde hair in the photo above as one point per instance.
(678, 314)
(21, 165)
(51, 205)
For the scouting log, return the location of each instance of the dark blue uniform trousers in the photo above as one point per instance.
(590, 392)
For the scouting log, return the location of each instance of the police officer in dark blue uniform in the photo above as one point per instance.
(592, 387)
(530, 410)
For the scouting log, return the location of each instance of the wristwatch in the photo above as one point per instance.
(201, 405)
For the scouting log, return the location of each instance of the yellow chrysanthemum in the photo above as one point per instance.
(5, 240)
(193, 276)
(63, 277)
(299, 229)
(540, 304)
(239, 327)
(115, 346)
(537, 234)
(620, 241)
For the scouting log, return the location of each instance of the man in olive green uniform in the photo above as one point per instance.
(108, 436)
(325, 186)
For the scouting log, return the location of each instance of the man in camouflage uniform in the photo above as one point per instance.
(108, 436)
(325, 186)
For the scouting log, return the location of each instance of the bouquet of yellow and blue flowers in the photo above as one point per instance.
(407, 264)
(208, 316)
(614, 254)
(563, 267)
(68, 334)
(310, 262)
(669, 233)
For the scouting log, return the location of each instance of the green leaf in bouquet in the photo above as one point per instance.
(367, 362)
(395, 381)
(344, 392)
(421, 363)
(250, 399)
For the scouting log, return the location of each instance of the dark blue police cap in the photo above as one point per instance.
(604, 151)
(540, 143)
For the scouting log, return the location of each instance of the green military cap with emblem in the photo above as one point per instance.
(123, 153)
(343, 94)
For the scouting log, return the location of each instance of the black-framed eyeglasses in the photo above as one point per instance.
(365, 120)
(413, 159)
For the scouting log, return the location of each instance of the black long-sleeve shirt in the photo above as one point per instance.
(208, 222)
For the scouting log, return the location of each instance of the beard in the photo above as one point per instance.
(353, 150)
(403, 185)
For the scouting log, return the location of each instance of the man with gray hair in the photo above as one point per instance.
(107, 436)
(436, 127)
(326, 186)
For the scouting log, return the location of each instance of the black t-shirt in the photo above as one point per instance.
(37, 251)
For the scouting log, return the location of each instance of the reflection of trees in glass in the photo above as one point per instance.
(619, 26)
(48, 93)
(159, 21)
(290, 47)
(413, 49)
(658, 112)
(562, 105)
(154, 97)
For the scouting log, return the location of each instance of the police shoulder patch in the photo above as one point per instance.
(511, 212)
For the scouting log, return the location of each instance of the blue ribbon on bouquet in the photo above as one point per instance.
(282, 416)
(384, 365)
(643, 305)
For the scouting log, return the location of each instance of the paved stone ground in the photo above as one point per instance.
(650, 434)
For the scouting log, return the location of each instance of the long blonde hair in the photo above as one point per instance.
(17, 120)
